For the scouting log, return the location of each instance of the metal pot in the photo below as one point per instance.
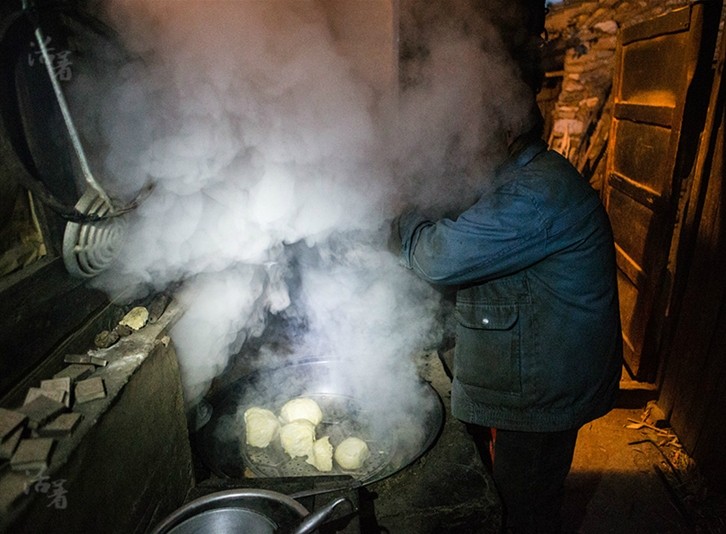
(245, 511)
(405, 437)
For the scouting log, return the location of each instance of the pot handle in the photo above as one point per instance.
(319, 491)
(318, 517)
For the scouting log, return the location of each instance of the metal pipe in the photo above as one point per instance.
(72, 132)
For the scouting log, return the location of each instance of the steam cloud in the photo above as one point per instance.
(278, 167)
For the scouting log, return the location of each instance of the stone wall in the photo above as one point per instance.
(584, 37)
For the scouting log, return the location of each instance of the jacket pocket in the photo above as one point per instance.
(487, 316)
(488, 346)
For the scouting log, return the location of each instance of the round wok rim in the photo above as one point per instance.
(436, 412)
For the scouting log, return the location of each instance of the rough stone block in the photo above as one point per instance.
(90, 389)
(8, 446)
(32, 454)
(62, 425)
(571, 85)
(606, 43)
(136, 318)
(608, 26)
(157, 307)
(77, 358)
(34, 393)
(76, 372)
(572, 127)
(41, 410)
(106, 339)
(99, 362)
(10, 421)
(123, 330)
(60, 384)
(85, 359)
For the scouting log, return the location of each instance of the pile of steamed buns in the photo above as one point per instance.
(295, 427)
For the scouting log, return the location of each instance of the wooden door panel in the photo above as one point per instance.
(655, 65)
(651, 66)
(640, 154)
(632, 338)
(634, 227)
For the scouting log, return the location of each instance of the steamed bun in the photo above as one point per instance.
(261, 427)
(297, 438)
(301, 408)
(322, 456)
(351, 453)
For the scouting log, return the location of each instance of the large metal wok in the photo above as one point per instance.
(396, 435)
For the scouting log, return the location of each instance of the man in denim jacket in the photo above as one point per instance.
(538, 346)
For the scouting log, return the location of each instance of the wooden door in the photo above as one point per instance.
(656, 68)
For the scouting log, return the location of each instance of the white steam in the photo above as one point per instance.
(277, 167)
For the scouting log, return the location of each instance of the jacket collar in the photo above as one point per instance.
(524, 149)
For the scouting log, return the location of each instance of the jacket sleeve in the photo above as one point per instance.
(501, 234)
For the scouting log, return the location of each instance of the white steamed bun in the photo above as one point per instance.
(351, 453)
(297, 438)
(261, 427)
(301, 408)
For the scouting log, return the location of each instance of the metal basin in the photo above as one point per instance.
(396, 435)
(252, 511)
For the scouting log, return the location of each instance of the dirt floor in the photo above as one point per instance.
(630, 475)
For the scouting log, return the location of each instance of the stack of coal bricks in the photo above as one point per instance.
(28, 434)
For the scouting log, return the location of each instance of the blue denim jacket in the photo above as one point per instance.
(538, 343)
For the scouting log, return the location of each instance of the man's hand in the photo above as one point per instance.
(394, 237)
(401, 234)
